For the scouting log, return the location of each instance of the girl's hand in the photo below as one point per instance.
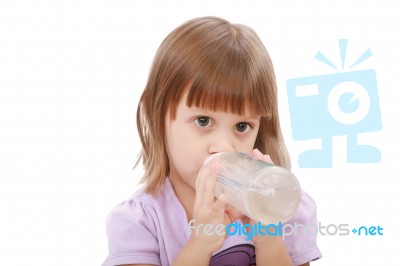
(208, 211)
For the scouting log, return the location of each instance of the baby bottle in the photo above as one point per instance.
(260, 190)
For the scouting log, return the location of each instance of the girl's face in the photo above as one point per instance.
(197, 133)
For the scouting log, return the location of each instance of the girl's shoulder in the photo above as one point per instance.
(140, 205)
(137, 209)
(138, 227)
(144, 208)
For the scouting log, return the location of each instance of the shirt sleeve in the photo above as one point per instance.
(300, 232)
(132, 235)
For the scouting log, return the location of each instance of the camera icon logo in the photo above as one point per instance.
(325, 106)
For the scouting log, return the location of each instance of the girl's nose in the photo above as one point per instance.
(221, 142)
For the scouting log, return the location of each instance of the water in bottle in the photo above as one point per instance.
(260, 190)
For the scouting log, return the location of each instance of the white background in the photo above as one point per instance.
(71, 73)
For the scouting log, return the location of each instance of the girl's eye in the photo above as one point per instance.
(203, 121)
(243, 127)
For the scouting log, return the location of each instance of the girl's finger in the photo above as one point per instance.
(245, 220)
(256, 154)
(211, 180)
(233, 214)
(267, 158)
(205, 183)
(220, 203)
(200, 181)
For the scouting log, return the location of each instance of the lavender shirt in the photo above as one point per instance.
(148, 229)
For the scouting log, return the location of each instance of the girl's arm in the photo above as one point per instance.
(193, 254)
(270, 250)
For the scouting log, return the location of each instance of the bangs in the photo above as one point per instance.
(230, 89)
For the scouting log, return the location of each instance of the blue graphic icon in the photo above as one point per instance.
(325, 106)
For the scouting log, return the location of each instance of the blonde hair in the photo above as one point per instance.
(228, 68)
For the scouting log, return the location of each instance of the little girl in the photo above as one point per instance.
(211, 89)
